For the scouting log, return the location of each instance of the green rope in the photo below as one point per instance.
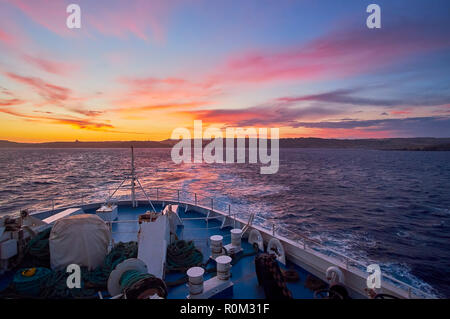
(54, 284)
(182, 255)
(37, 251)
(130, 277)
(121, 251)
(31, 285)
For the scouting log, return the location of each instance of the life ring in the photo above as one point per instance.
(255, 238)
(275, 247)
(334, 275)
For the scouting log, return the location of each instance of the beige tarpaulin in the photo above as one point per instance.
(81, 239)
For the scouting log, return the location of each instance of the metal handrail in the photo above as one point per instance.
(213, 206)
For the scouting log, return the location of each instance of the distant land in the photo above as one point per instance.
(406, 144)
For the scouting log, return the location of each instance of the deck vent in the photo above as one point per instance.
(195, 284)
(236, 235)
(216, 246)
(223, 267)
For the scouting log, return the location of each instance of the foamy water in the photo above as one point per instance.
(391, 208)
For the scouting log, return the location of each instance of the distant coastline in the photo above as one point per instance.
(403, 144)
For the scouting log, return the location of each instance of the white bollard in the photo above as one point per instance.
(216, 246)
(223, 267)
(195, 284)
(236, 235)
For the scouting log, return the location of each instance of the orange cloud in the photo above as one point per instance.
(75, 122)
(163, 90)
(156, 107)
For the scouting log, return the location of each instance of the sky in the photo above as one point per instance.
(138, 69)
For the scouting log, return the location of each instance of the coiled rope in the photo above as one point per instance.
(182, 255)
(46, 283)
(37, 251)
(30, 281)
(130, 277)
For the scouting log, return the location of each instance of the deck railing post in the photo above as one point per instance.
(229, 210)
(195, 199)
(273, 230)
(212, 203)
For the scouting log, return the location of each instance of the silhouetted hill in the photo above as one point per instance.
(413, 144)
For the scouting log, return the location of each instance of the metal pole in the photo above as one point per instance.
(212, 203)
(195, 199)
(133, 178)
(146, 196)
(229, 210)
(111, 196)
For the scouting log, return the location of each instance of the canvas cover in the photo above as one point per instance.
(81, 239)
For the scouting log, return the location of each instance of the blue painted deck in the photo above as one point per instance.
(243, 273)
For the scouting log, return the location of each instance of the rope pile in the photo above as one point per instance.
(30, 281)
(37, 251)
(182, 255)
(99, 277)
(92, 281)
(42, 282)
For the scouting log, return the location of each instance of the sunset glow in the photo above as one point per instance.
(138, 69)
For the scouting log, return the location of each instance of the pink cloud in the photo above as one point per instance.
(170, 91)
(334, 55)
(52, 93)
(48, 13)
(10, 102)
(142, 18)
(54, 67)
(6, 38)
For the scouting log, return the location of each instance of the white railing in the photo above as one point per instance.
(225, 208)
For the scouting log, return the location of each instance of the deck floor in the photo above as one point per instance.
(243, 273)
